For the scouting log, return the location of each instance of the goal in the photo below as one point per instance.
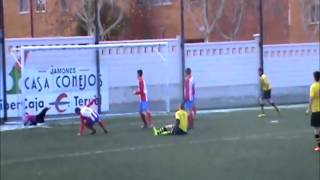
(66, 76)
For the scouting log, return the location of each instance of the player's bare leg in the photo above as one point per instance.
(274, 105)
(262, 114)
(143, 118)
(190, 120)
(103, 127)
(149, 118)
(194, 109)
(317, 137)
(93, 130)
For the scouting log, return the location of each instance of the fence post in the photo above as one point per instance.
(257, 38)
(96, 41)
(181, 61)
(3, 65)
(182, 43)
(259, 57)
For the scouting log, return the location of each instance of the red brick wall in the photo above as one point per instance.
(298, 33)
(134, 26)
(16, 24)
(275, 17)
(54, 22)
(276, 23)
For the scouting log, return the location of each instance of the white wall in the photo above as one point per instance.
(160, 65)
(224, 72)
(289, 68)
(291, 65)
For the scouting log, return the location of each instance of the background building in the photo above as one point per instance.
(284, 21)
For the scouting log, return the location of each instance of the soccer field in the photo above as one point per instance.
(224, 146)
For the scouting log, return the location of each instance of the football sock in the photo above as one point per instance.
(262, 109)
(93, 131)
(149, 117)
(161, 130)
(102, 126)
(143, 118)
(190, 119)
(165, 133)
(194, 109)
(317, 136)
(275, 107)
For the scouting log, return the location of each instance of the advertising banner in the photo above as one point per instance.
(61, 79)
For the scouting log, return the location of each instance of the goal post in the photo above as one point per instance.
(64, 76)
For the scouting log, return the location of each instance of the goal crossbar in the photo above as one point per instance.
(87, 46)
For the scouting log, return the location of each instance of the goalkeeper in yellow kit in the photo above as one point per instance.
(179, 128)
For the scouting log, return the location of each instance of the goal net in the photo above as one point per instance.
(63, 77)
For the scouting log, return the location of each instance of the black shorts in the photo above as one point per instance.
(40, 117)
(178, 131)
(266, 94)
(315, 119)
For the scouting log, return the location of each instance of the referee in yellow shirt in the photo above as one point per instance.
(314, 107)
(266, 93)
(179, 128)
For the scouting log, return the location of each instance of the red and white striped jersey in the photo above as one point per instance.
(189, 88)
(87, 114)
(142, 90)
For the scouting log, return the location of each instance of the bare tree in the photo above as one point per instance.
(309, 11)
(209, 22)
(110, 16)
(234, 19)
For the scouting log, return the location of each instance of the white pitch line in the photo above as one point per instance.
(155, 146)
(251, 108)
(18, 126)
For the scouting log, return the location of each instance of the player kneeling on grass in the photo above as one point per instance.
(33, 120)
(314, 107)
(180, 128)
(88, 117)
(266, 93)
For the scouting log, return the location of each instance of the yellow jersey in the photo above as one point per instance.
(182, 116)
(315, 93)
(265, 82)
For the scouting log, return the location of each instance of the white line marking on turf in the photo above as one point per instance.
(251, 108)
(274, 121)
(9, 126)
(155, 146)
(134, 114)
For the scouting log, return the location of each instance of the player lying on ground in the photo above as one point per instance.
(88, 117)
(144, 108)
(33, 120)
(179, 128)
(190, 92)
(314, 107)
(266, 93)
